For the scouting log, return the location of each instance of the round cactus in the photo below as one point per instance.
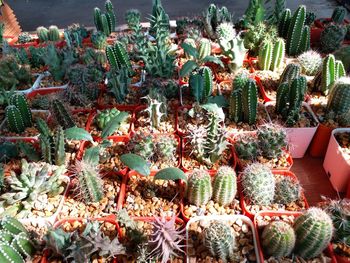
(54, 33)
(314, 230)
(272, 139)
(310, 62)
(105, 116)
(165, 147)
(43, 34)
(132, 17)
(226, 31)
(199, 190)
(339, 14)
(258, 184)
(225, 186)
(246, 147)
(287, 190)
(331, 38)
(220, 240)
(278, 239)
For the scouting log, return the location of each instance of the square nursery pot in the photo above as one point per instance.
(273, 215)
(337, 163)
(319, 144)
(299, 139)
(239, 223)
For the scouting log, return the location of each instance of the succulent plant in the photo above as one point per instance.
(24, 37)
(105, 22)
(258, 184)
(43, 34)
(166, 240)
(74, 35)
(118, 57)
(199, 189)
(332, 37)
(132, 18)
(142, 145)
(201, 84)
(105, 116)
(18, 113)
(339, 14)
(99, 40)
(156, 109)
(33, 182)
(287, 190)
(118, 84)
(272, 139)
(8, 151)
(224, 186)
(53, 34)
(61, 114)
(213, 17)
(219, 239)
(165, 147)
(290, 72)
(278, 239)
(13, 74)
(310, 62)
(310, 18)
(247, 147)
(271, 55)
(313, 230)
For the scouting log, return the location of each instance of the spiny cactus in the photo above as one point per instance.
(105, 22)
(204, 48)
(272, 139)
(118, 57)
(314, 230)
(90, 185)
(166, 239)
(219, 239)
(24, 37)
(14, 119)
(284, 22)
(224, 186)
(310, 62)
(119, 83)
(213, 17)
(53, 33)
(192, 43)
(310, 18)
(61, 114)
(332, 70)
(250, 102)
(339, 14)
(278, 54)
(247, 147)
(99, 40)
(332, 38)
(235, 102)
(43, 34)
(132, 18)
(165, 147)
(287, 190)
(18, 113)
(339, 98)
(278, 239)
(142, 145)
(290, 72)
(199, 189)
(156, 109)
(258, 184)
(201, 83)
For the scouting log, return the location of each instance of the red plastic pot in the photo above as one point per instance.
(43, 91)
(102, 105)
(328, 251)
(322, 22)
(33, 43)
(315, 35)
(244, 203)
(319, 143)
(341, 259)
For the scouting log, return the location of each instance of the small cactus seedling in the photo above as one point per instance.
(199, 190)
(224, 186)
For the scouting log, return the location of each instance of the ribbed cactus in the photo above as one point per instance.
(310, 62)
(332, 38)
(265, 55)
(250, 101)
(314, 230)
(272, 139)
(284, 22)
(291, 72)
(201, 83)
(278, 54)
(339, 97)
(156, 109)
(246, 147)
(118, 56)
(105, 116)
(258, 184)
(287, 190)
(225, 31)
(61, 114)
(105, 22)
(14, 119)
(110, 15)
(19, 100)
(132, 18)
(331, 71)
(192, 43)
(278, 239)
(298, 36)
(204, 48)
(199, 189)
(18, 113)
(235, 106)
(339, 14)
(213, 17)
(53, 33)
(219, 239)
(99, 40)
(225, 185)
(43, 34)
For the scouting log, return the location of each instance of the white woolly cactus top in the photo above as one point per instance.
(226, 31)
(319, 215)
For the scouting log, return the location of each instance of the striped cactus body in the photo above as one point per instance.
(118, 57)
(43, 34)
(291, 72)
(224, 186)
(105, 27)
(265, 55)
(278, 54)
(8, 254)
(313, 231)
(97, 18)
(204, 48)
(235, 106)
(54, 33)
(14, 119)
(250, 101)
(282, 97)
(199, 190)
(60, 154)
(192, 43)
(201, 83)
(105, 22)
(284, 22)
(19, 100)
(331, 71)
(339, 97)
(23, 245)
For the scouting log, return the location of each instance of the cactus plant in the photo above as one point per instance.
(53, 33)
(199, 189)
(331, 38)
(250, 101)
(314, 230)
(265, 55)
(99, 40)
(278, 54)
(339, 98)
(132, 18)
(284, 22)
(338, 15)
(201, 83)
(310, 62)
(18, 113)
(156, 109)
(24, 37)
(258, 184)
(219, 239)
(224, 186)
(272, 139)
(287, 190)
(105, 22)
(290, 72)
(204, 48)
(278, 239)
(246, 147)
(62, 114)
(118, 57)
(43, 34)
(103, 117)
(332, 70)
(213, 17)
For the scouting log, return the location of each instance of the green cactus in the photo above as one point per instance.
(204, 48)
(338, 15)
(278, 239)
(14, 119)
(310, 62)
(219, 239)
(43, 34)
(314, 230)
(258, 184)
(142, 145)
(291, 72)
(8, 254)
(62, 114)
(235, 106)
(20, 102)
(53, 34)
(156, 109)
(105, 116)
(246, 147)
(24, 37)
(287, 190)
(224, 186)
(165, 147)
(250, 102)
(310, 18)
(201, 83)
(105, 22)
(118, 83)
(132, 18)
(192, 43)
(278, 54)
(272, 139)
(332, 38)
(332, 70)
(339, 98)
(213, 17)
(265, 55)
(118, 57)
(99, 40)
(199, 189)
(284, 22)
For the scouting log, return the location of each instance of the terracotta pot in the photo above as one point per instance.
(318, 146)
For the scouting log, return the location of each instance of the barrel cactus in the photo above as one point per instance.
(290, 72)
(54, 33)
(278, 239)
(287, 190)
(272, 139)
(99, 40)
(204, 48)
(331, 38)
(332, 70)
(199, 190)
(105, 116)
(43, 34)
(258, 184)
(224, 185)
(314, 230)
(310, 62)
(219, 239)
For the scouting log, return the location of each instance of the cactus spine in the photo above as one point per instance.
(105, 22)
(18, 113)
(284, 22)
(225, 186)
(291, 72)
(19, 100)
(250, 101)
(278, 239)
(313, 231)
(339, 97)
(287, 190)
(219, 239)
(199, 189)
(331, 70)
(310, 62)
(43, 34)
(258, 184)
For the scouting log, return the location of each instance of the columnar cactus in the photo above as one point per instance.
(258, 184)
(19, 100)
(287, 190)
(199, 189)
(265, 55)
(224, 186)
(219, 239)
(204, 48)
(272, 139)
(290, 72)
(61, 114)
(53, 33)
(14, 119)
(235, 102)
(201, 83)
(339, 97)
(105, 22)
(332, 38)
(118, 56)
(250, 102)
(332, 70)
(339, 14)
(278, 239)
(278, 54)
(132, 17)
(213, 17)
(284, 22)
(314, 230)
(310, 62)
(18, 113)
(99, 40)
